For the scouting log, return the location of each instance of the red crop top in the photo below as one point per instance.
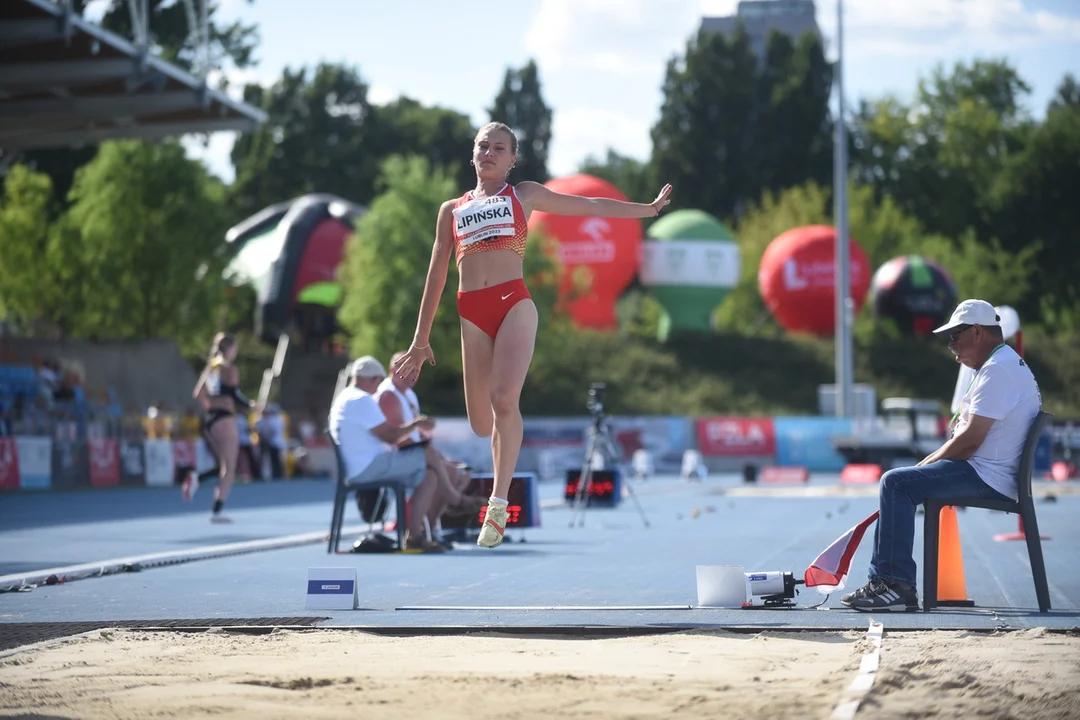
(490, 223)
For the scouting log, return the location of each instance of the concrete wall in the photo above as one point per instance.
(139, 371)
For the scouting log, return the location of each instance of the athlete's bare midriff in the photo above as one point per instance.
(485, 269)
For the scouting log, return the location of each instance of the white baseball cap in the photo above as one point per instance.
(971, 312)
(367, 367)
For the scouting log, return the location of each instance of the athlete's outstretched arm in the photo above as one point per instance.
(547, 200)
(420, 351)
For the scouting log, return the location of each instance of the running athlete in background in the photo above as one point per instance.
(219, 395)
(486, 229)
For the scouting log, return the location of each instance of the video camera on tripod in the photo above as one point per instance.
(601, 455)
(595, 403)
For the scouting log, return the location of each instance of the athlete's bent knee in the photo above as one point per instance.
(482, 427)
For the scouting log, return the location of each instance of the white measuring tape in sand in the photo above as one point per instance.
(864, 679)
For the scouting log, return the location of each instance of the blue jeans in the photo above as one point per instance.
(901, 490)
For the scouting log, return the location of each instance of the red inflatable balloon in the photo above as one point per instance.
(797, 278)
(608, 250)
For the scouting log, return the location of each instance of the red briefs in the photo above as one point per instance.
(486, 308)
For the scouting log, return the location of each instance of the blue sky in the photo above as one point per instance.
(602, 61)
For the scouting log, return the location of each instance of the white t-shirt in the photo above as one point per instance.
(1005, 390)
(410, 404)
(352, 416)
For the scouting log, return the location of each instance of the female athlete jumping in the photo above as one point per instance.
(487, 228)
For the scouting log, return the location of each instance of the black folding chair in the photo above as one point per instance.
(397, 486)
(1025, 508)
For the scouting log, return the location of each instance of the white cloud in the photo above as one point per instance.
(630, 37)
(912, 27)
(582, 131)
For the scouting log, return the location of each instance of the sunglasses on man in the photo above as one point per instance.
(954, 335)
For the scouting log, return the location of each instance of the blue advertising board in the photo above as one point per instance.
(806, 441)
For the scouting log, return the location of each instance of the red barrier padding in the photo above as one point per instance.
(785, 475)
(860, 474)
(1061, 471)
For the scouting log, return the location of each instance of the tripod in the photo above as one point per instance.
(599, 441)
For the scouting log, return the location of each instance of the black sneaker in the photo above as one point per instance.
(882, 595)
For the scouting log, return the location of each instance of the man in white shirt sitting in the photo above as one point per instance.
(367, 442)
(980, 460)
(399, 403)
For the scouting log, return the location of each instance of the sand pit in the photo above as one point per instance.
(1022, 674)
(324, 674)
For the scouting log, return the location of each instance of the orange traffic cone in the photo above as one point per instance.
(951, 588)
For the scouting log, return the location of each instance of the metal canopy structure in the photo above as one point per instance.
(65, 82)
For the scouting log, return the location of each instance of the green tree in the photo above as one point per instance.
(1067, 95)
(32, 286)
(700, 142)
(319, 137)
(792, 136)
(137, 255)
(939, 156)
(520, 104)
(1035, 202)
(444, 137)
(630, 176)
(144, 232)
(324, 135)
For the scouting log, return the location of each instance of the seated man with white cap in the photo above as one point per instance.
(980, 460)
(366, 440)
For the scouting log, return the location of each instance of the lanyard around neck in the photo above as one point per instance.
(970, 384)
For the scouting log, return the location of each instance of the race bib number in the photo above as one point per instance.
(484, 219)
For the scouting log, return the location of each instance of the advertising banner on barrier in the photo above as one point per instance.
(204, 456)
(104, 460)
(736, 436)
(552, 446)
(806, 441)
(160, 467)
(132, 463)
(455, 439)
(184, 456)
(665, 439)
(9, 464)
(69, 468)
(35, 462)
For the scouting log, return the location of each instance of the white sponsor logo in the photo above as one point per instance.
(595, 228)
(587, 252)
(100, 455)
(814, 275)
(730, 434)
(792, 279)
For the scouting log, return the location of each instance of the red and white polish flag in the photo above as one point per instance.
(828, 571)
